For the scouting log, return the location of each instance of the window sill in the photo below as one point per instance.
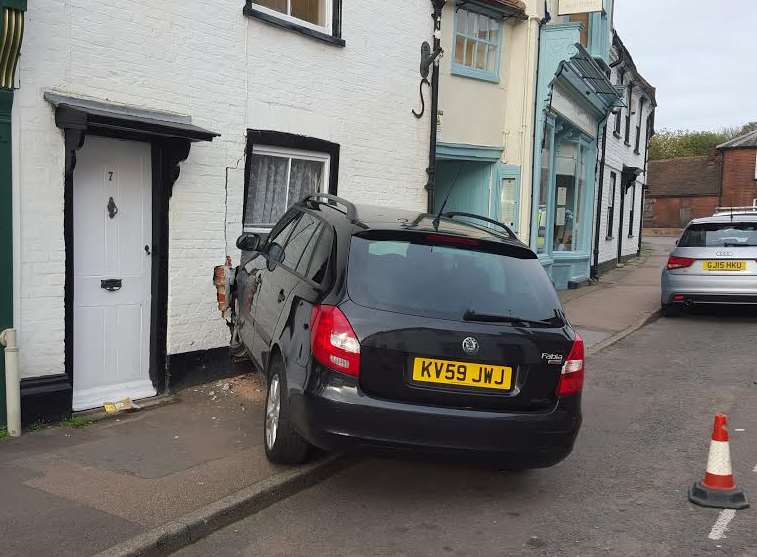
(464, 71)
(301, 29)
(609, 239)
(627, 143)
(636, 151)
(616, 134)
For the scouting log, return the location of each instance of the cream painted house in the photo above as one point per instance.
(486, 109)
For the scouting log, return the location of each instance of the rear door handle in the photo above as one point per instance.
(282, 296)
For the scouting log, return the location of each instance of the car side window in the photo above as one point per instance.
(281, 236)
(321, 254)
(299, 239)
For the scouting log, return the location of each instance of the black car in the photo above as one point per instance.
(386, 328)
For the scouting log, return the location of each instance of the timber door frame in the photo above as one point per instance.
(170, 144)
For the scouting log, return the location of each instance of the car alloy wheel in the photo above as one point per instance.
(272, 411)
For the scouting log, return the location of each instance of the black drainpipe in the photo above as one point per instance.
(623, 181)
(600, 191)
(431, 170)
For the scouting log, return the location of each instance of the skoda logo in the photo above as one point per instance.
(723, 253)
(470, 345)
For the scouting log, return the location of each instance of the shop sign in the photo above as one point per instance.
(569, 7)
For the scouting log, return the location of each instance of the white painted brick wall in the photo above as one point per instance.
(230, 73)
(619, 154)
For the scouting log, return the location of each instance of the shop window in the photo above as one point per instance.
(569, 189)
(477, 45)
(632, 216)
(642, 101)
(546, 177)
(611, 205)
(619, 110)
(628, 115)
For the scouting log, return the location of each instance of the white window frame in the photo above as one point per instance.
(329, 15)
(287, 153)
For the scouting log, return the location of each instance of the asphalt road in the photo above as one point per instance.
(649, 403)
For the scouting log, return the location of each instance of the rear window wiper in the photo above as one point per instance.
(471, 315)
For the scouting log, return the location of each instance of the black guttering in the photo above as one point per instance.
(336, 25)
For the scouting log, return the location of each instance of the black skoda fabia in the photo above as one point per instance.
(383, 328)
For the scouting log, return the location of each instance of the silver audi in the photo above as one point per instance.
(714, 262)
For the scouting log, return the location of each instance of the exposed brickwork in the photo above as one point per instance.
(739, 184)
(676, 212)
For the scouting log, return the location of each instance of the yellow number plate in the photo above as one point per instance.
(725, 265)
(462, 374)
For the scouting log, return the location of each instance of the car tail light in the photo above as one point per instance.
(333, 341)
(675, 262)
(572, 377)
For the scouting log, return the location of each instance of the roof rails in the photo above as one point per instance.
(315, 199)
(498, 224)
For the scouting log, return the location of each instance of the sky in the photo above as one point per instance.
(701, 55)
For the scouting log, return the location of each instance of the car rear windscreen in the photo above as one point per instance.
(446, 281)
(720, 234)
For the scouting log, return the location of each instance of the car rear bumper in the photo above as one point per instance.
(337, 415)
(706, 289)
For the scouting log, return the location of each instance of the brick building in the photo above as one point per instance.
(147, 135)
(680, 190)
(739, 185)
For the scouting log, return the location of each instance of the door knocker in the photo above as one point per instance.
(112, 209)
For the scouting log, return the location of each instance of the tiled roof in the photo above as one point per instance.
(746, 140)
(692, 176)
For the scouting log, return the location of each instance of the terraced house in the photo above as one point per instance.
(147, 135)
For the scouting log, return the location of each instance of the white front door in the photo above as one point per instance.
(112, 280)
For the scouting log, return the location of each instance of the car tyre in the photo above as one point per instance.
(283, 445)
(671, 310)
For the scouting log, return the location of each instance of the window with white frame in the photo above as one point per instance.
(278, 178)
(477, 44)
(315, 14)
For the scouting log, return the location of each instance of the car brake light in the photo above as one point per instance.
(572, 377)
(333, 341)
(675, 262)
(452, 240)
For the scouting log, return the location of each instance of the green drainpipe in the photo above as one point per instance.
(11, 35)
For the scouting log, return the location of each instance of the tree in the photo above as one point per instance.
(674, 144)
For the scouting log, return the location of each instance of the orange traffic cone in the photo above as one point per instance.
(718, 489)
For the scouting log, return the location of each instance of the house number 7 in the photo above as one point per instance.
(110, 175)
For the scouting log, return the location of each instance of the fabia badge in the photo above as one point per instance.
(470, 345)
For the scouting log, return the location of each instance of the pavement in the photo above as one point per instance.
(649, 402)
(622, 299)
(76, 491)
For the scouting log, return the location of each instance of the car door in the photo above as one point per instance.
(276, 282)
(253, 266)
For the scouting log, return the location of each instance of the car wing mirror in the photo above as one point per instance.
(249, 241)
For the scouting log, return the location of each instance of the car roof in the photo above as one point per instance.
(726, 218)
(375, 217)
